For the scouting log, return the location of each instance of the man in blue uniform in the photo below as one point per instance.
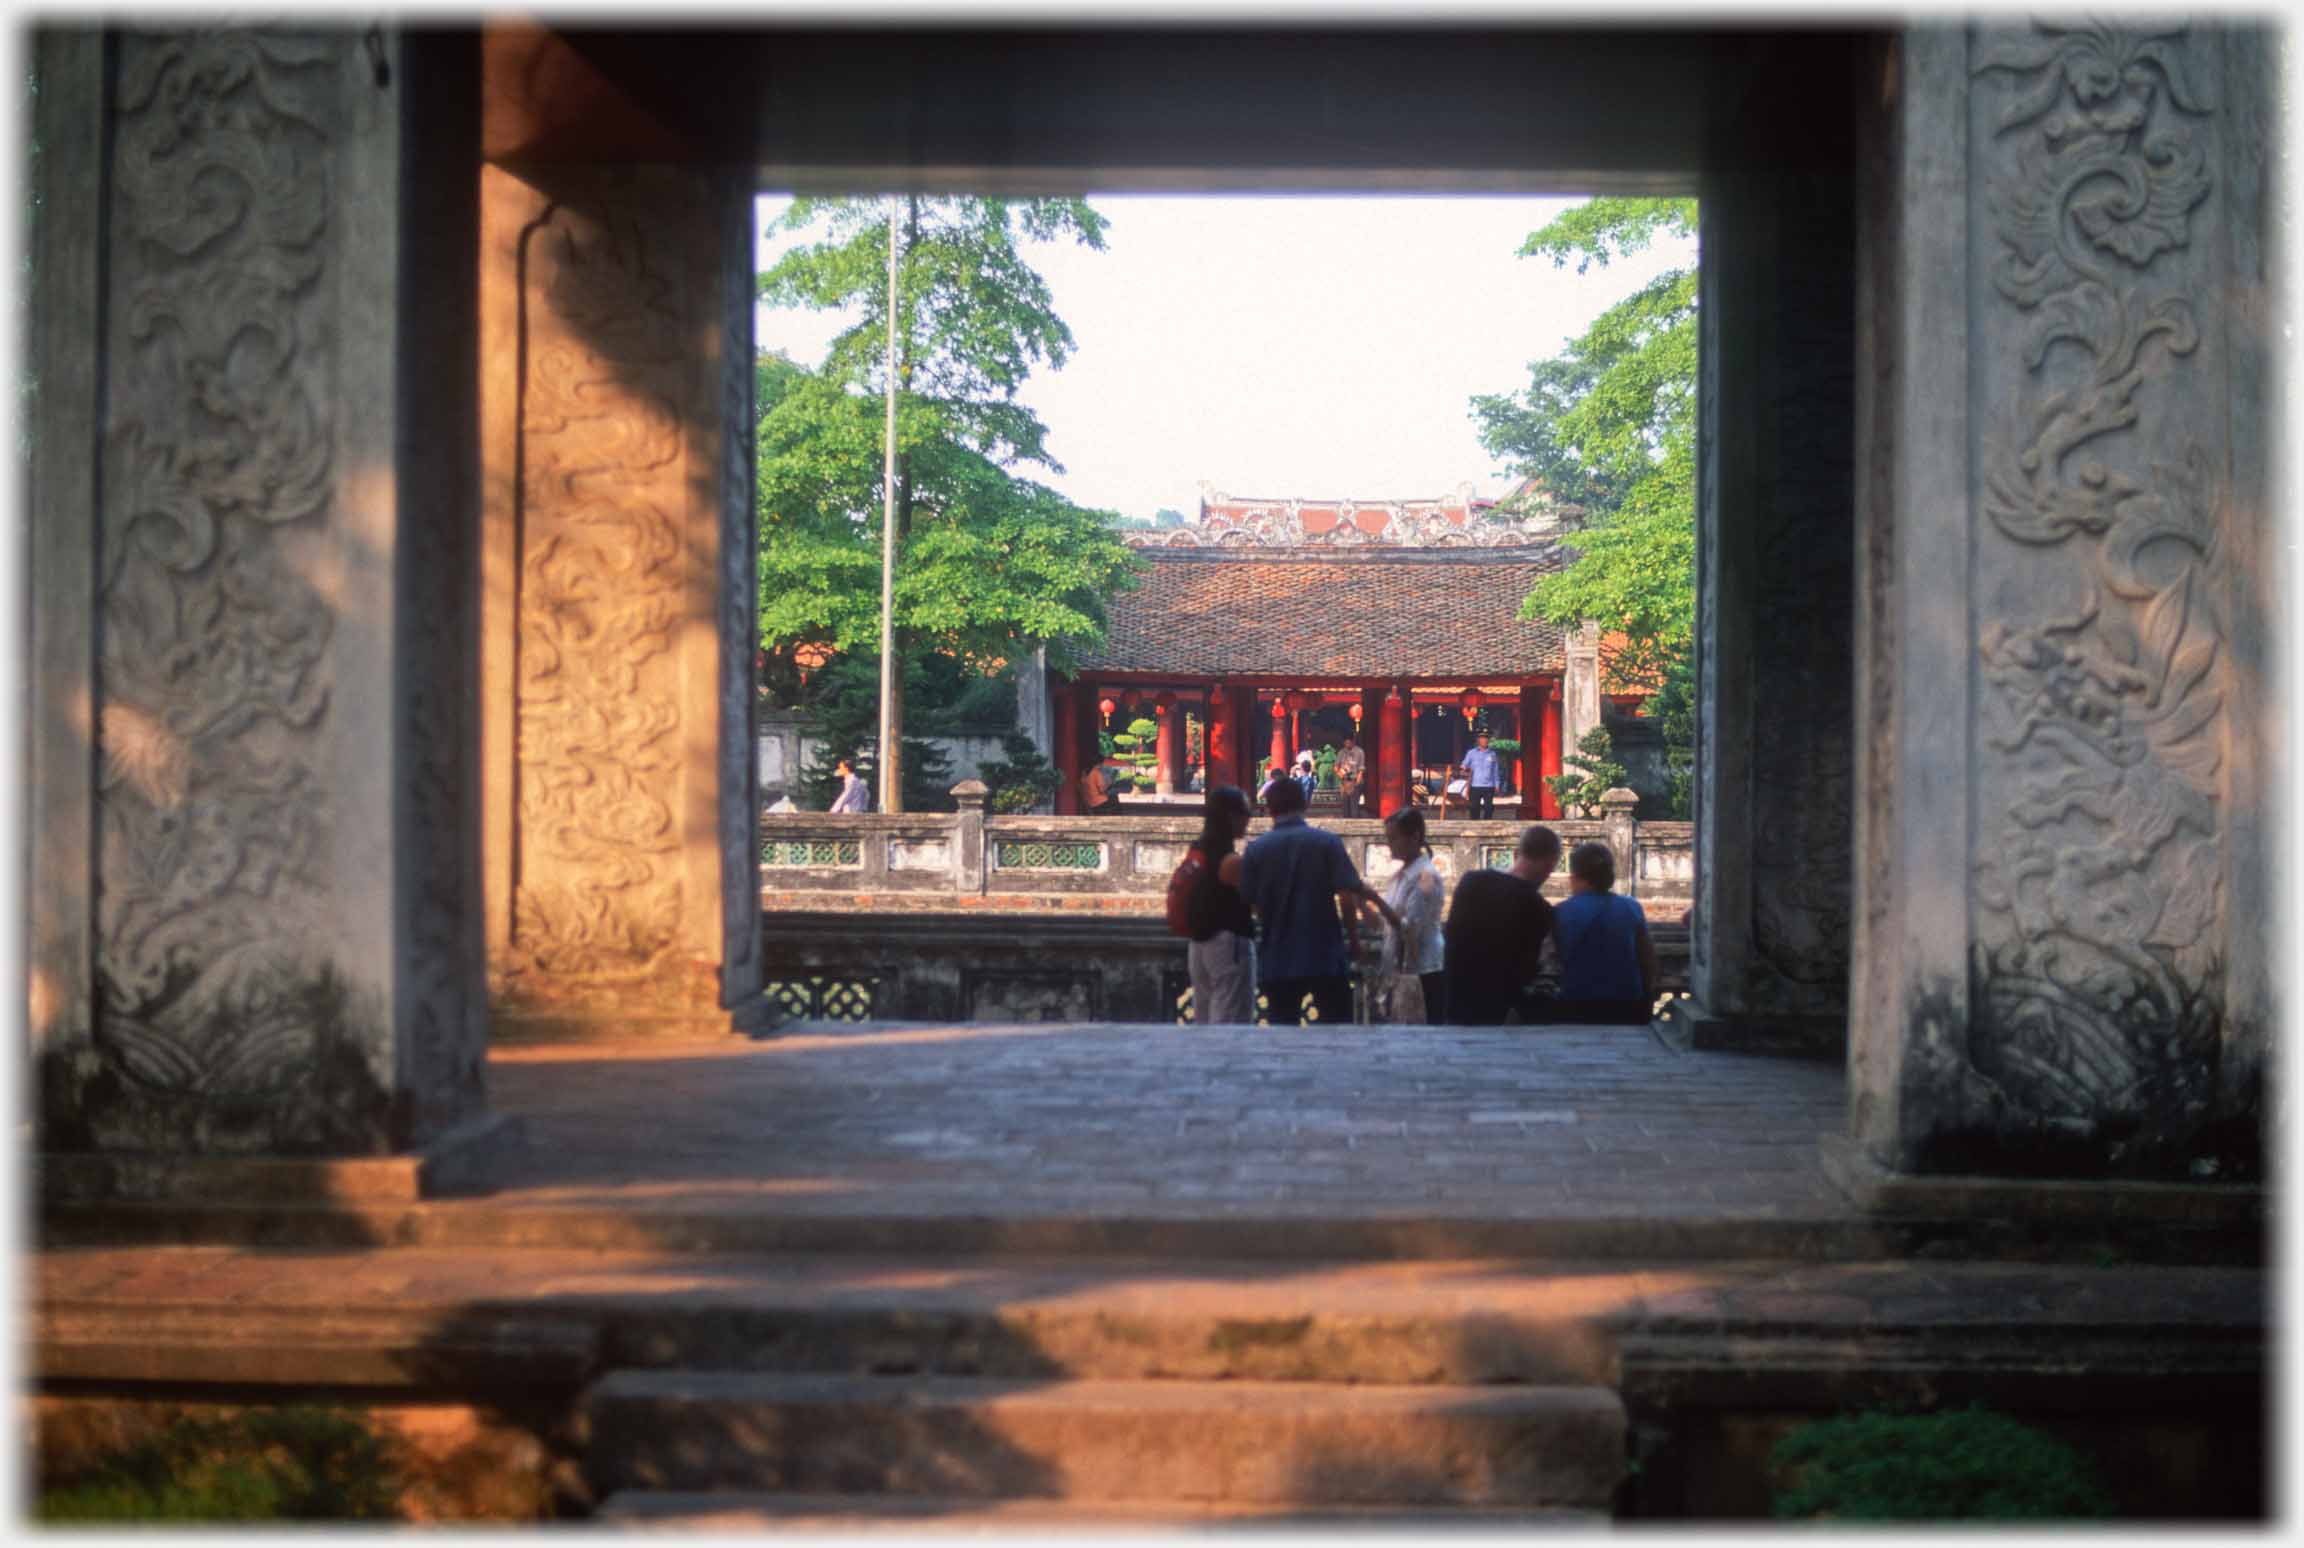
(1480, 774)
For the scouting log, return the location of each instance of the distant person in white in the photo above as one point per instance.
(853, 797)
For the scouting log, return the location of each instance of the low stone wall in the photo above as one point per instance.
(971, 860)
(1015, 963)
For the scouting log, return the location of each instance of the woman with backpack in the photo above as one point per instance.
(1222, 955)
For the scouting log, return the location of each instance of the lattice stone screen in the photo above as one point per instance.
(1179, 992)
(1034, 855)
(823, 999)
(1497, 857)
(794, 852)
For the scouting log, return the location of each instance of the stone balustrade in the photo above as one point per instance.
(970, 858)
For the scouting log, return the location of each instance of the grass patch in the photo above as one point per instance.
(287, 1464)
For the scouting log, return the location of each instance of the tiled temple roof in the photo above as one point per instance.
(1370, 612)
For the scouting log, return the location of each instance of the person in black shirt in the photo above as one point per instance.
(1497, 923)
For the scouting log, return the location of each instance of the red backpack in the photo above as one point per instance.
(1189, 873)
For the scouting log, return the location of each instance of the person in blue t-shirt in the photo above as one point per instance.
(1301, 884)
(1607, 961)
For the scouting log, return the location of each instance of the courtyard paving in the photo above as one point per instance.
(1140, 1120)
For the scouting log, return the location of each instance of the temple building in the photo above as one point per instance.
(1285, 624)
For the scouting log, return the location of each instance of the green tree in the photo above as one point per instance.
(990, 563)
(1610, 425)
(1024, 780)
(845, 710)
(1676, 716)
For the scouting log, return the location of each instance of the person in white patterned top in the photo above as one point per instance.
(1416, 895)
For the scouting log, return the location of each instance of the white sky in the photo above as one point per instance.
(1311, 346)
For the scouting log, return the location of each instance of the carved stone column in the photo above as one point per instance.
(1064, 728)
(1032, 707)
(2067, 609)
(621, 864)
(1617, 805)
(255, 867)
(1580, 684)
(1769, 949)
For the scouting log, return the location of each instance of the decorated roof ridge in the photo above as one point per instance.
(1438, 521)
(1542, 550)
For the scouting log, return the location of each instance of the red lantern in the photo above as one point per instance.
(1131, 699)
(1356, 711)
(1470, 699)
(1162, 705)
(1105, 704)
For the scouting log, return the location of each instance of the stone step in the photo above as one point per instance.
(1273, 1443)
(556, 1318)
(1643, 1232)
(731, 1511)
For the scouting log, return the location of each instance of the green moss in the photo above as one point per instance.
(290, 1464)
(1966, 1464)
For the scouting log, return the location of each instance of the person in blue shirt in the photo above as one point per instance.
(1480, 780)
(1607, 961)
(1305, 894)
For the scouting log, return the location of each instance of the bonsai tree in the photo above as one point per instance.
(1024, 781)
(1595, 773)
(1507, 751)
(1324, 766)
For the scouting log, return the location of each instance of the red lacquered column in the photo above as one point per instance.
(1392, 751)
(1549, 806)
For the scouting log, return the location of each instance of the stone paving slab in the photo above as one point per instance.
(1374, 1121)
(729, 1511)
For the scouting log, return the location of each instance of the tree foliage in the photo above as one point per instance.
(990, 563)
(1610, 425)
(975, 318)
(993, 565)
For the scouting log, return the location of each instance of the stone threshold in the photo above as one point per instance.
(1883, 1193)
(466, 1158)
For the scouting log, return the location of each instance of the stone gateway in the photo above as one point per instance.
(392, 540)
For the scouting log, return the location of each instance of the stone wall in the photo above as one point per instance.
(787, 750)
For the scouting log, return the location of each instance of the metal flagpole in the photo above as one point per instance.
(891, 733)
